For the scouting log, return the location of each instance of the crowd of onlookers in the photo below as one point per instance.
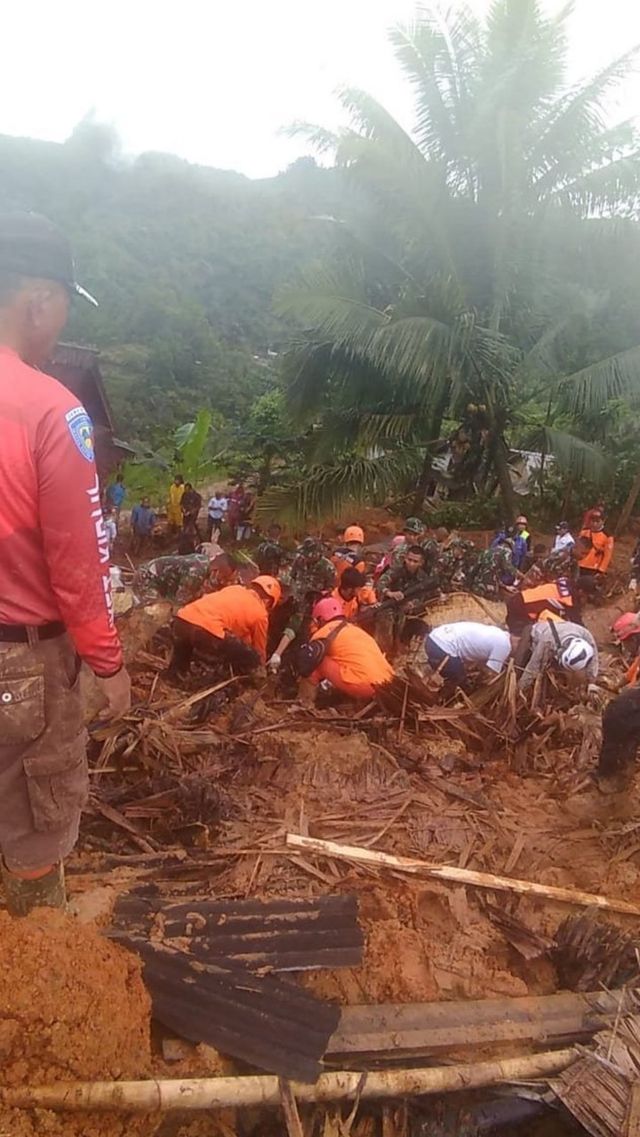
(229, 512)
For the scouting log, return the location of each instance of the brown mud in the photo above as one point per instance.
(72, 1006)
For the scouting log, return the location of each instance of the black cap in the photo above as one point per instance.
(31, 245)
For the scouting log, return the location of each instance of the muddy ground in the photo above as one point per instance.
(489, 791)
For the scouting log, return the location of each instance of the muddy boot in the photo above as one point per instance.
(22, 896)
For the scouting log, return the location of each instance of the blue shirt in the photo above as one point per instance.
(116, 494)
(143, 519)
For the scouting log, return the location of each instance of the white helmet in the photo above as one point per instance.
(577, 655)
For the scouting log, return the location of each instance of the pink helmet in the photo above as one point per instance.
(399, 540)
(625, 626)
(327, 609)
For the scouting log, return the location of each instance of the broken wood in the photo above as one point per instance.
(224, 1093)
(372, 859)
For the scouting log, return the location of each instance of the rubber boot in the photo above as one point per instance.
(22, 896)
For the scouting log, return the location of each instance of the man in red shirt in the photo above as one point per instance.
(55, 598)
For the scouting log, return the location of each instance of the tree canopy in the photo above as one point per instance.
(491, 279)
(184, 261)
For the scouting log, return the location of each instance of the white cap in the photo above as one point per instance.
(577, 655)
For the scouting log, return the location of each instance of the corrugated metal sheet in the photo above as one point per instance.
(284, 935)
(260, 1019)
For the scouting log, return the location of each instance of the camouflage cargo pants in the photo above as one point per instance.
(43, 766)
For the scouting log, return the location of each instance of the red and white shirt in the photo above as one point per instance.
(54, 552)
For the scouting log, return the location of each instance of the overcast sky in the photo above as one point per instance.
(214, 80)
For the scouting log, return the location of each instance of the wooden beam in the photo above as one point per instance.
(405, 1029)
(224, 1093)
(373, 859)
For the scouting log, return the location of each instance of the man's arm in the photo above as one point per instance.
(259, 637)
(76, 546)
(539, 658)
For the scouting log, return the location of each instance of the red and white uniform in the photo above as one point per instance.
(54, 552)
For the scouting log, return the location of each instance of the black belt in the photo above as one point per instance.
(21, 634)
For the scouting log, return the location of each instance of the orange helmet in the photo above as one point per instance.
(353, 533)
(269, 586)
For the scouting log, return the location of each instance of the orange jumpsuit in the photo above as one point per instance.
(234, 609)
(354, 663)
(363, 596)
(599, 556)
(346, 558)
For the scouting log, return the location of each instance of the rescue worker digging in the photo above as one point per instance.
(451, 646)
(568, 646)
(229, 626)
(342, 655)
(55, 598)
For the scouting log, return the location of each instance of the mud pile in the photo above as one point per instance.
(72, 1006)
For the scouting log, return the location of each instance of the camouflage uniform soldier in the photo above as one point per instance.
(310, 577)
(456, 563)
(311, 572)
(413, 533)
(178, 579)
(493, 569)
(269, 556)
(407, 587)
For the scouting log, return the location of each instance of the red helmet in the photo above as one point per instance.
(270, 587)
(521, 520)
(327, 609)
(353, 533)
(625, 626)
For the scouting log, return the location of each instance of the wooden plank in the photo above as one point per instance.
(430, 1027)
(373, 859)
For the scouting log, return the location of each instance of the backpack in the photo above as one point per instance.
(310, 655)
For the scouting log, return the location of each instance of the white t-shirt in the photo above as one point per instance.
(217, 508)
(471, 642)
(562, 541)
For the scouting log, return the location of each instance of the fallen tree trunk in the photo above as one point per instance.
(225, 1093)
(373, 859)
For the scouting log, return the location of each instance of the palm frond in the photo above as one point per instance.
(322, 140)
(610, 187)
(572, 455)
(588, 392)
(441, 59)
(324, 491)
(577, 122)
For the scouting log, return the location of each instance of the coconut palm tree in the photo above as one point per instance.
(463, 275)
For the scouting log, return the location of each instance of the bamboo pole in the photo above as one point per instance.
(373, 859)
(224, 1093)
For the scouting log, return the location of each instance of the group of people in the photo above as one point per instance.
(327, 611)
(227, 513)
(329, 618)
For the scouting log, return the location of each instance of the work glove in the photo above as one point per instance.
(274, 663)
(117, 691)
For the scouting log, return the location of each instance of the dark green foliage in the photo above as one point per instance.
(184, 261)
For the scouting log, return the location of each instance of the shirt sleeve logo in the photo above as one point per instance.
(81, 431)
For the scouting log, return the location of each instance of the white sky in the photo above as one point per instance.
(214, 80)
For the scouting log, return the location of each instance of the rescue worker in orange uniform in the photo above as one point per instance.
(349, 554)
(230, 626)
(527, 605)
(597, 552)
(353, 593)
(349, 659)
